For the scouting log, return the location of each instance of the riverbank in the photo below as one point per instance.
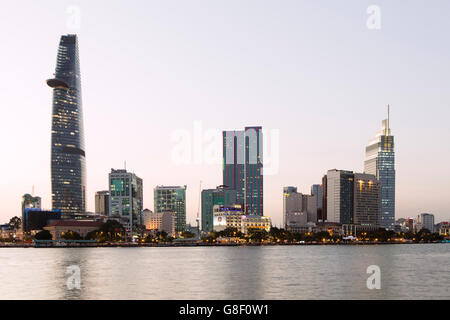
(199, 244)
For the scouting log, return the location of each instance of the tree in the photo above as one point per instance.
(257, 235)
(92, 235)
(229, 232)
(188, 234)
(15, 223)
(43, 235)
(71, 235)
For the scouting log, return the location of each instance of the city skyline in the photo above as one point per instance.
(149, 157)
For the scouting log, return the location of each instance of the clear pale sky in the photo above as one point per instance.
(312, 70)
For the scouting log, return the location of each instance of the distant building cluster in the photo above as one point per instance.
(349, 200)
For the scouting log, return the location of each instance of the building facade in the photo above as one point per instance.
(234, 217)
(36, 219)
(222, 195)
(243, 167)
(316, 190)
(380, 161)
(367, 200)
(29, 202)
(425, 221)
(298, 209)
(172, 199)
(126, 198)
(68, 164)
(323, 214)
(59, 227)
(102, 202)
(160, 221)
(340, 184)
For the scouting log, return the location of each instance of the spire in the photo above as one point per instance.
(388, 129)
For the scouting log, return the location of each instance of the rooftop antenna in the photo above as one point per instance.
(32, 191)
(125, 165)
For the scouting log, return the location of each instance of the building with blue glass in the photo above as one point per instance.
(68, 164)
(126, 195)
(380, 161)
(243, 167)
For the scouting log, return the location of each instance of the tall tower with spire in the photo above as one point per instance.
(380, 161)
(68, 164)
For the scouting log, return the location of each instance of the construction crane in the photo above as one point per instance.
(198, 208)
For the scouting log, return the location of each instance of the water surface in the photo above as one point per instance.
(271, 272)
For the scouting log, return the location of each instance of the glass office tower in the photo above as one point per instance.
(126, 198)
(68, 164)
(243, 167)
(380, 161)
(172, 199)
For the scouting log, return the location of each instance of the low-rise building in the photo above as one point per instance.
(444, 230)
(59, 227)
(233, 217)
(160, 221)
(255, 222)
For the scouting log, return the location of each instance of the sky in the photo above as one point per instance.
(162, 79)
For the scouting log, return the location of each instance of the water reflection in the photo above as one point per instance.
(290, 272)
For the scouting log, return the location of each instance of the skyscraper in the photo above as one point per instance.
(68, 165)
(126, 197)
(243, 167)
(380, 161)
(172, 199)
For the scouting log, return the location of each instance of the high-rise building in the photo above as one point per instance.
(316, 190)
(243, 167)
(380, 161)
(102, 202)
(367, 200)
(340, 196)
(425, 221)
(68, 164)
(353, 199)
(222, 195)
(290, 204)
(323, 214)
(172, 199)
(126, 198)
